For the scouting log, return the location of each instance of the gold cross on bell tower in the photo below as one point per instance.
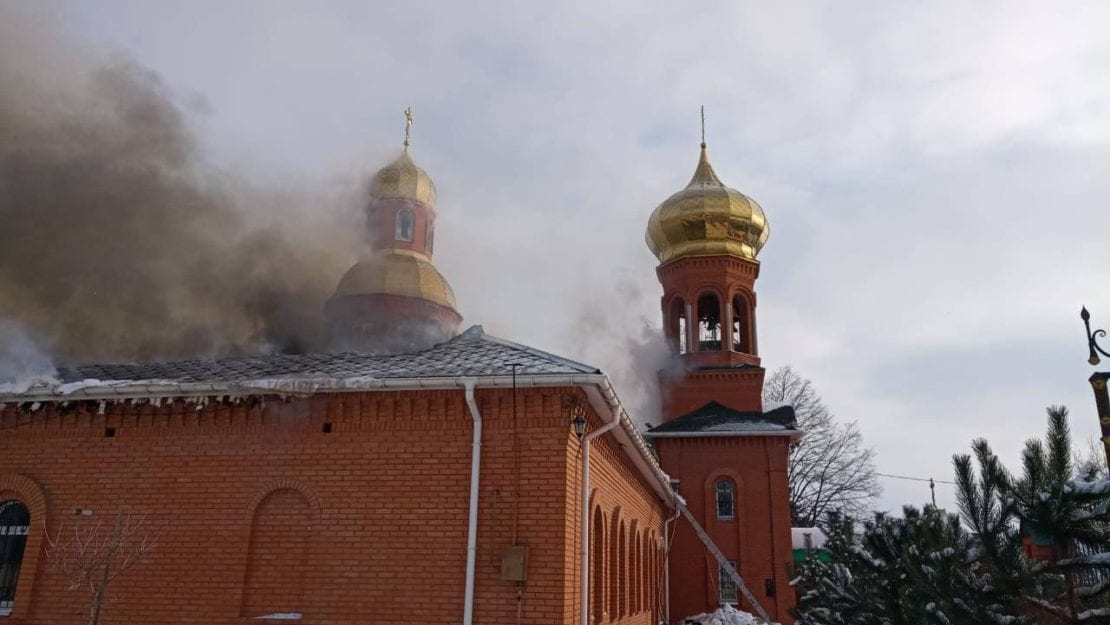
(703, 126)
(408, 126)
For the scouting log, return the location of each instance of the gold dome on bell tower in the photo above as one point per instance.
(707, 218)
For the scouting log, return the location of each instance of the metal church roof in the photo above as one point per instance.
(471, 354)
(714, 419)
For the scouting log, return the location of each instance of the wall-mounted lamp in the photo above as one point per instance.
(575, 412)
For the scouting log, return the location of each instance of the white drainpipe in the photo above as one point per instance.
(586, 511)
(472, 529)
(667, 566)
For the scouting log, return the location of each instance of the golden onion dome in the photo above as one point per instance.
(706, 219)
(397, 272)
(403, 179)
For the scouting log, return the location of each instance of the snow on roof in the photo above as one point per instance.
(473, 353)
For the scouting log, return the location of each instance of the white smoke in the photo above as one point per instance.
(22, 363)
(633, 350)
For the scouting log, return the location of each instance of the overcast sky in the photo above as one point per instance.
(934, 173)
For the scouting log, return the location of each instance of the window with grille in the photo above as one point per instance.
(15, 522)
(727, 590)
(726, 500)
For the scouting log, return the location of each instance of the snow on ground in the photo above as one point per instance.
(727, 615)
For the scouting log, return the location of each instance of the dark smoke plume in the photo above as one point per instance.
(119, 242)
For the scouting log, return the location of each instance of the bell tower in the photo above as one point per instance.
(706, 238)
(728, 456)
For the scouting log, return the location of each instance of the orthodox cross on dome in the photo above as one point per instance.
(703, 125)
(408, 126)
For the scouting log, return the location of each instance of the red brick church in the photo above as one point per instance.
(414, 473)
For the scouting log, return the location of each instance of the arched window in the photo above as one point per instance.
(726, 499)
(709, 323)
(676, 325)
(405, 224)
(641, 573)
(597, 567)
(614, 565)
(741, 341)
(277, 555)
(634, 573)
(622, 573)
(15, 522)
(431, 236)
(649, 574)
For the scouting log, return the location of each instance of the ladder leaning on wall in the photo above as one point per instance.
(722, 562)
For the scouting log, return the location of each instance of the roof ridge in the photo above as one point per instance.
(539, 352)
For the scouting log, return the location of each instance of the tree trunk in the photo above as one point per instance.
(94, 608)
(98, 596)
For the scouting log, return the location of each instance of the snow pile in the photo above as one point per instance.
(727, 615)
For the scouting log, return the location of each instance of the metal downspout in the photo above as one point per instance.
(667, 566)
(586, 511)
(472, 528)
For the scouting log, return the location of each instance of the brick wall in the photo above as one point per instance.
(625, 581)
(348, 508)
(757, 539)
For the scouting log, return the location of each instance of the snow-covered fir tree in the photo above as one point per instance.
(1033, 548)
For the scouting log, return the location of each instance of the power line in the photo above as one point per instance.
(915, 479)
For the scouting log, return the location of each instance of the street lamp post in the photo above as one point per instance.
(1098, 379)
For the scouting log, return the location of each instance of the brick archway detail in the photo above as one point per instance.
(272, 487)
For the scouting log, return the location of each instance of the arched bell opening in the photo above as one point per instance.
(709, 323)
(741, 325)
(677, 333)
